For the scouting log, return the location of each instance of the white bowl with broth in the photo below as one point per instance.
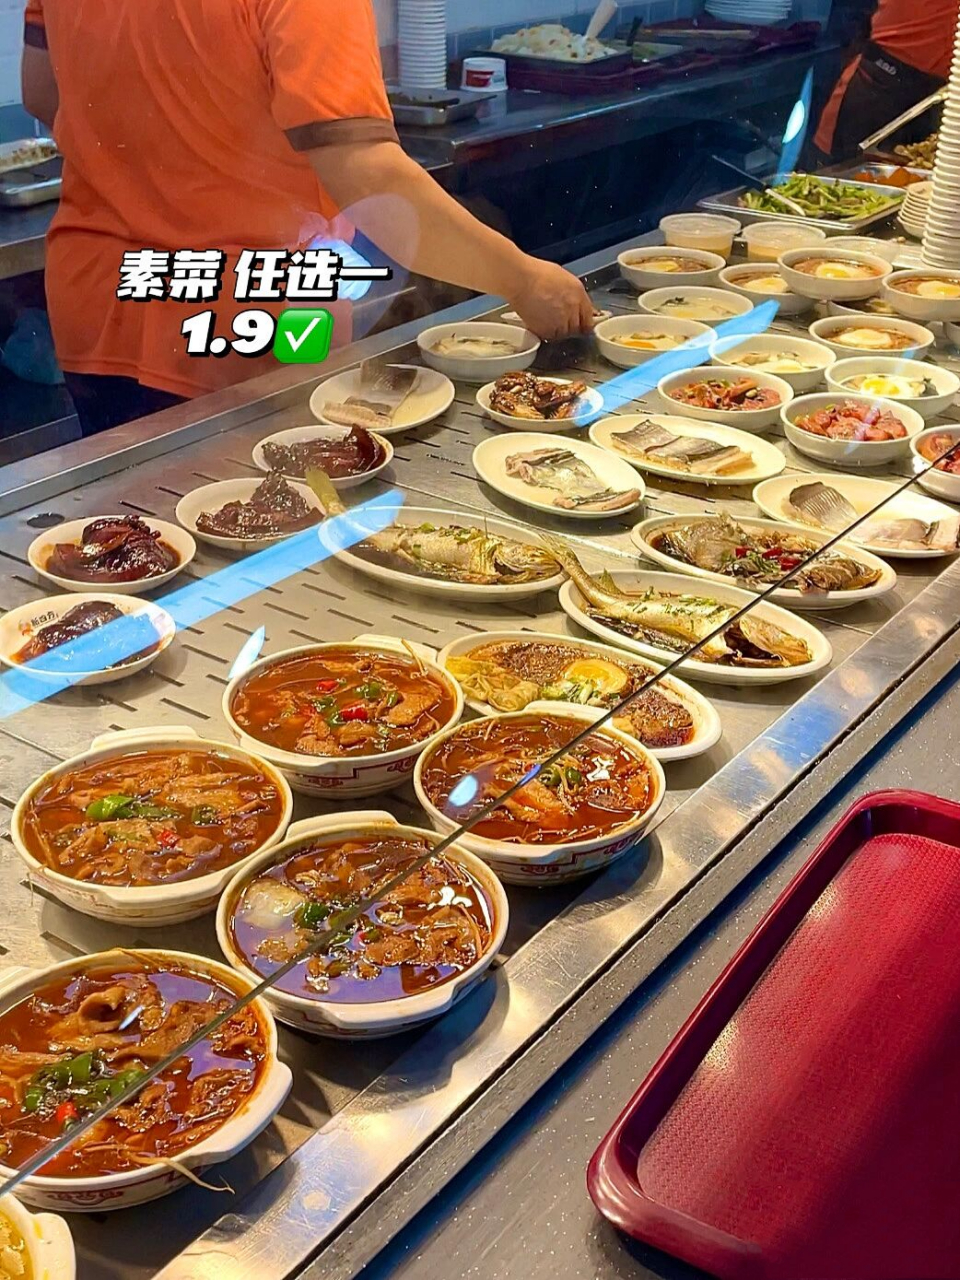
(824, 273)
(873, 336)
(651, 267)
(799, 361)
(927, 388)
(924, 294)
(477, 350)
(767, 284)
(708, 306)
(628, 341)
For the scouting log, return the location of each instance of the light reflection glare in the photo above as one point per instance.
(463, 792)
(250, 651)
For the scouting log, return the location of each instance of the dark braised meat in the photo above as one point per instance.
(524, 395)
(274, 509)
(134, 639)
(114, 549)
(350, 455)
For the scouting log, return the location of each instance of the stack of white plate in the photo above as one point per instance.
(751, 13)
(422, 44)
(913, 211)
(941, 235)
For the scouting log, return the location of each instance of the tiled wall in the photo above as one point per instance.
(11, 38)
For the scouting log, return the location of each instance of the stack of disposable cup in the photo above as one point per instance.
(422, 44)
(941, 237)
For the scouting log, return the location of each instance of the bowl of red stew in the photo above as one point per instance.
(343, 719)
(126, 554)
(74, 1035)
(744, 398)
(85, 638)
(851, 429)
(148, 826)
(586, 807)
(932, 449)
(417, 948)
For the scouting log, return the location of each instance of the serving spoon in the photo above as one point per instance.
(760, 185)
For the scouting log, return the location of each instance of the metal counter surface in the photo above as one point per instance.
(380, 1106)
(521, 1211)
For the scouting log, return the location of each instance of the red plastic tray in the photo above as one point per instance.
(805, 1122)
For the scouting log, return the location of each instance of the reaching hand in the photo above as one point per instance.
(550, 301)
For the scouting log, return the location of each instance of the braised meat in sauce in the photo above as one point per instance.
(348, 455)
(274, 510)
(113, 549)
(135, 638)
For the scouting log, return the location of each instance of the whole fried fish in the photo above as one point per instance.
(577, 486)
(675, 622)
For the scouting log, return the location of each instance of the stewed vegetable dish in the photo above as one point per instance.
(427, 930)
(152, 817)
(80, 1039)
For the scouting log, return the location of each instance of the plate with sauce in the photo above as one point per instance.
(125, 554)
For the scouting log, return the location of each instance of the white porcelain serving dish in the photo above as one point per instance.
(768, 459)
(848, 453)
(744, 277)
(635, 266)
(699, 298)
(42, 546)
(917, 307)
(690, 334)
(830, 328)
(941, 483)
(479, 368)
(321, 431)
(839, 289)
(589, 405)
(728, 351)
(751, 420)
(47, 1242)
(211, 497)
(431, 396)
(945, 383)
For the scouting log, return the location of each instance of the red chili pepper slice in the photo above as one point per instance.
(167, 839)
(774, 553)
(326, 686)
(67, 1113)
(357, 712)
(740, 552)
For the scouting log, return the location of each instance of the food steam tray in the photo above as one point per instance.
(805, 1121)
(729, 202)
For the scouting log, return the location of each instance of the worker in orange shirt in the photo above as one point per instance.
(906, 58)
(231, 125)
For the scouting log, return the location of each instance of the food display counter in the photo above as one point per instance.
(374, 1128)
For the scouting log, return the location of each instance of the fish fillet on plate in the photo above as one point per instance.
(665, 444)
(387, 400)
(565, 477)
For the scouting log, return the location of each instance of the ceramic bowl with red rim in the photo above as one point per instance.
(265, 1080)
(572, 817)
(391, 971)
(825, 273)
(143, 863)
(737, 397)
(850, 430)
(924, 294)
(339, 719)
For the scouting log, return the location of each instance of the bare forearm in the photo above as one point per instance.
(39, 85)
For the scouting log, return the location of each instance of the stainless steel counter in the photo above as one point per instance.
(373, 1129)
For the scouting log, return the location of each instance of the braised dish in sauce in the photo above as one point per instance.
(113, 549)
(435, 925)
(510, 674)
(80, 1039)
(351, 454)
(343, 702)
(598, 785)
(153, 817)
(852, 420)
(934, 447)
(136, 639)
(274, 510)
(720, 393)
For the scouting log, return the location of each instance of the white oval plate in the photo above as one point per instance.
(573, 605)
(432, 395)
(591, 404)
(792, 599)
(211, 497)
(41, 548)
(480, 593)
(768, 459)
(490, 461)
(863, 493)
(707, 730)
(320, 431)
(19, 625)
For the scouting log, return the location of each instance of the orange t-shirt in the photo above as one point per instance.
(182, 126)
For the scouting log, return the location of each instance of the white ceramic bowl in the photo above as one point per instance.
(691, 334)
(432, 395)
(849, 453)
(599, 314)
(19, 625)
(296, 435)
(136, 1186)
(727, 351)
(698, 297)
(484, 368)
(827, 330)
(791, 598)
(941, 483)
(952, 332)
(754, 420)
(889, 250)
(41, 548)
(823, 290)
(768, 459)
(342, 776)
(915, 307)
(707, 727)
(634, 266)
(145, 906)
(361, 1019)
(739, 277)
(589, 406)
(866, 307)
(529, 864)
(211, 497)
(945, 383)
(47, 1241)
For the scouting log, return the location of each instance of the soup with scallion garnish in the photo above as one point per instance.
(81, 1038)
(432, 927)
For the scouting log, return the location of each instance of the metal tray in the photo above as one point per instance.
(885, 169)
(433, 108)
(622, 60)
(28, 187)
(805, 1120)
(729, 202)
(9, 149)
